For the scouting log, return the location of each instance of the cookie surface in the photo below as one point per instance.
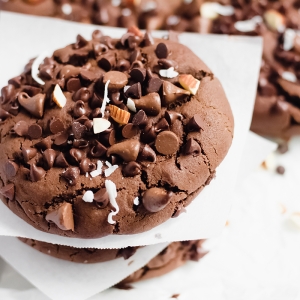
(111, 136)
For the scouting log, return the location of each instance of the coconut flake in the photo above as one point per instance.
(289, 76)
(248, 25)
(131, 105)
(112, 195)
(88, 196)
(111, 168)
(35, 67)
(136, 201)
(288, 39)
(98, 171)
(224, 10)
(105, 99)
(168, 73)
(100, 125)
(66, 9)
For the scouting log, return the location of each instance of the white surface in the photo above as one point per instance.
(235, 60)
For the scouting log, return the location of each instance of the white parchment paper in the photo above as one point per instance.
(235, 60)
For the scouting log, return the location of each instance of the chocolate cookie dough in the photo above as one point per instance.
(110, 136)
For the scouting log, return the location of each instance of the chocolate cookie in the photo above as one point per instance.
(110, 136)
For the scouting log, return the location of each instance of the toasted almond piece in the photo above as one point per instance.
(133, 29)
(189, 83)
(275, 20)
(121, 116)
(58, 97)
(100, 125)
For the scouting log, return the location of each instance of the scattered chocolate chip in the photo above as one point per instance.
(148, 135)
(78, 130)
(117, 80)
(134, 91)
(280, 170)
(8, 191)
(123, 65)
(171, 116)
(97, 35)
(46, 72)
(36, 173)
(109, 137)
(60, 161)
(148, 39)
(8, 94)
(69, 71)
(49, 156)
(107, 62)
(98, 150)
(147, 154)
(80, 42)
(44, 143)
(82, 94)
(56, 125)
(99, 49)
(131, 169)
(150, 103)
(154, 85)
(62, 216)
(167, 63)
(135, 55)
(73, 85)
(173, 93)
(196, 123)
(86, 166)
(79, 109)
(130, 130)
(128, 150)
(71, 175)
(16, 81)
(161, 125)
(138, 74)
(11, 169)
(161, 50)
(156, 199)
(115, 98)
(88, 75)
(101, 198)
(134, 42)
(173, 36)
(137, 64)
(28, 153)
(192, 147)
(21, 128)
(61, 138)
(80, 143)
(35, 131)
(76, 154)
(167, 143)
(140, 118)
(34, 105)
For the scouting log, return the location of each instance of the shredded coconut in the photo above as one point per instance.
(248, 25)
(35, 67)
(130, 104)
(168, 73)
(136, 201)
(105, 98)
(288, 39)
(289, 76)
(110, 169)
(98, 171)
(88, 196)
(112, 195)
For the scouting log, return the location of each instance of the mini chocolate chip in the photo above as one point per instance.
(148, 135)
(130, 130)
(69, 71)
(49, 156)
(80, 42)
(88, 124)
(117, 80)
(8, 191)
(154, 85)
(107, 62)
(123, 65)
(173, 36)
(82, 94)
(73, 85)
(46, 72)
(171, 116)
(283, 148)
(148, 39)
(147, 154)
(150, 103)
(137, 64)
(4, 114)
(61, 139)
(138, 74)
(124, 38)
(28, 153)
(134, 41)
(140, 118)
(167, 143)
(115, 98)
(14, 108)
(78, 130)
(96, 113)
(101, 198)
(156, 199)
(280, 170)
(44, 143)
(135, 55)
(76, 155)
(8, 94)
(79, 109)
(21, 128)
(161, 125)
(56, 125)
(161, 50)
(71, 175)
(99, 49)
(34, 105)
(167, 63)
(131, 169)
(80, 143)
(36, 173)
(134, 91)
(196, 123)
(35, 131)
(88, 75)
(172, 93)
(62, 216)
(191, 147)
(11, 169)
(109, 137)
(97, 35)
(87, 166)
(128, 150)
(60, 161)
(98, 150)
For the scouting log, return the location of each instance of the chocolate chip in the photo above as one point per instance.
(96, 113)
(28, 153)
(126, 252)
(76, 155)
(138, 74)
(154, 85)
(61, 139)
(147, 154)
(156, 199)
(134, 91)
(148, 39)
(73, 85)
(161, 125)
(148, 135)
(98, 150)
(34, 105)
(130, 130)
(101, 198)
(46, 72)
(36, 173)
(97, 34)
(161, 50)
(167, 143)
(191, 147)
(16, 81)
(21, 128)
(11, 169)
(82, 94)
(123, 65)
(80, 143)
(171, 116)
(131, 169)
(56, 125)
(35, 131)
(87, 166)
(71, 175)
(49, 156)
(135, 55)
(115, 98)
(173, 93)
(8, 94)
(150, 103)
(280, 170)
(69, 71)
(134, 42)
(167, 63)
(128, 150)
(109, 137)
(140, 118)
(117, 80)
(44, 143)
(196, 123)
(79, 109)
(8, 191)
(88, 124)
(80, 42)
(60, 161)
(62, 216)
(107, 62)
(99, 49)
(124, 38)
(78, 130)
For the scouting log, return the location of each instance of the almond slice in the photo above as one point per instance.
(189, 83)
(275, 20)
(121, 116)
(100, 125)
(58, 97)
